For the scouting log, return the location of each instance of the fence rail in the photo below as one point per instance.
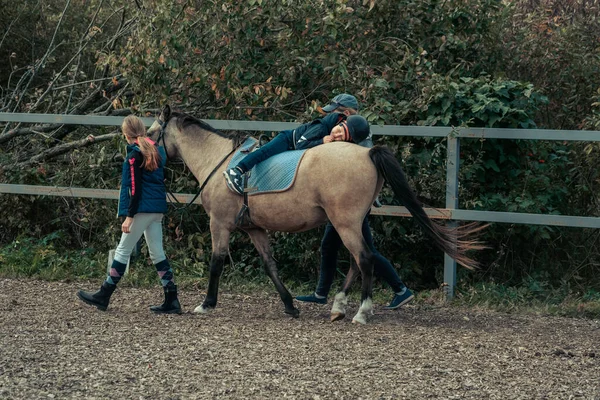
(388, 211)
(453, 136)
(269, 126)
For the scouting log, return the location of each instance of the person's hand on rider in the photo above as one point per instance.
(327, 139)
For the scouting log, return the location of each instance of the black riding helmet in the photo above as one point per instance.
(358, 127)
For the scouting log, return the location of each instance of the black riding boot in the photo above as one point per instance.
(171, 304)
(99, 299)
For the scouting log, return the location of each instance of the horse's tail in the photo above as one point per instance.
(453, 241)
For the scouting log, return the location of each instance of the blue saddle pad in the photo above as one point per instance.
(275, 174)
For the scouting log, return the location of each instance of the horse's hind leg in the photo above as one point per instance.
(220, 247)
(261, 242)
(338, 310)
(354, 242)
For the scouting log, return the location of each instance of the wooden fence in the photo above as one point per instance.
(452, 135)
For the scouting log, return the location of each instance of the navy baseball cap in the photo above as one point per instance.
(343, 100)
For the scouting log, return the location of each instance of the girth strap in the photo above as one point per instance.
(243, 218)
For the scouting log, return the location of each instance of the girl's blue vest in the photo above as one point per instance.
(154, 194)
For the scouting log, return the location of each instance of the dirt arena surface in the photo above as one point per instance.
(54, 346)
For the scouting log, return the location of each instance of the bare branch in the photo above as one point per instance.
(21, 81)
(81, 47)
(85, 82)
(113, 42)
(43, 60)
(56, 77)
(13, 22)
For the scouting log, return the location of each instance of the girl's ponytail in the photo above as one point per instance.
(133, 127)
(150, 153)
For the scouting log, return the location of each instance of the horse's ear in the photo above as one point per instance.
(166, 113)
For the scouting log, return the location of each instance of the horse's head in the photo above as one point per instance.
(163, 131)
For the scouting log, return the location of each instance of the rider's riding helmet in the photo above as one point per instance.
(358, 128)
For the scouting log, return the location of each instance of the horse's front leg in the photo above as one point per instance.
(338, 310)
(261, 242)
(220, 247)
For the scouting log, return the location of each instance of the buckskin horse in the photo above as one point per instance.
(336, 181)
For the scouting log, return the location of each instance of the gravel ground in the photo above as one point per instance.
(54, 346)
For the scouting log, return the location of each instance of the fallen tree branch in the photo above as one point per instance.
(96, 95)
(62, 149)
(80, 108)
(26, 131)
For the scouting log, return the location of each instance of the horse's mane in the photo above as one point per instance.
(185, 120)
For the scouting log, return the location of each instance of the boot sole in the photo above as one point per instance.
(91, 303)
(407, 300)
(314, 302)
(166, 312)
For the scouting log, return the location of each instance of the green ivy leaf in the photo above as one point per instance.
(491, 164)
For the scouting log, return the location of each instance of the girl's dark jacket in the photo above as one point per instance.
(311, 134)
(142, 191)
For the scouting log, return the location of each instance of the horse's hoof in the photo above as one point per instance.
(202, 310)
(337, 316)
(359, 319)
(294, 313)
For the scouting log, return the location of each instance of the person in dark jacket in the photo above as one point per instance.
(143, 202)
(331, 128)
(331, 243)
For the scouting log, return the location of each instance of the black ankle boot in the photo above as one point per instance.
(99, 299)
(171, 304)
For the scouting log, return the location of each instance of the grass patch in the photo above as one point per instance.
(47, 259)
(529, 298)
(42, 259)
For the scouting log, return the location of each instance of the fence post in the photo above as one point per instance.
(452, 166)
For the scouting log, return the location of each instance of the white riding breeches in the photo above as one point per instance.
(149, 224)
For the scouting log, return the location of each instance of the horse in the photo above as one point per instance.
(337, 181)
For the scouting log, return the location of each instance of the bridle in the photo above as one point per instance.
(161, 136)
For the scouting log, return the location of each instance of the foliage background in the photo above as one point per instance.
(485, 63)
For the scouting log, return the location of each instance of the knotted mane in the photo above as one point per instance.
(185, 120)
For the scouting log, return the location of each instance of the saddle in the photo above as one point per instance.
(275, 174)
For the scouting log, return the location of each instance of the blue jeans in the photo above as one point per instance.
(282, 142)
(330, 245)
